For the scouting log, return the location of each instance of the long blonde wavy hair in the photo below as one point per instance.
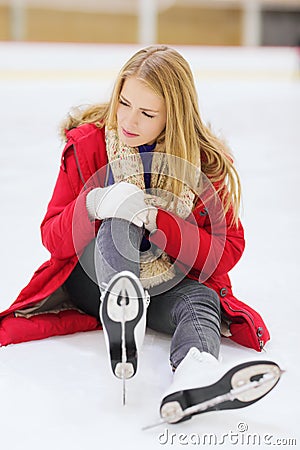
(185, 135)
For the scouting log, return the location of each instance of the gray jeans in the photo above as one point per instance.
(184, 309)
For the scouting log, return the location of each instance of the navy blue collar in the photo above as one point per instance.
(147, 147)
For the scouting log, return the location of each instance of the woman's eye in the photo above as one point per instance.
(143, 112)
(148, 115)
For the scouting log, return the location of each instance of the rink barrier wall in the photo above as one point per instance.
(176, 25)
(232, 23)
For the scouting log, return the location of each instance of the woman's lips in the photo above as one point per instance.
(128, 134)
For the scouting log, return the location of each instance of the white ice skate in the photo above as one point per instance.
(123, 316)
(201, 384)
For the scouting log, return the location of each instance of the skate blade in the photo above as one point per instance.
(246, 384)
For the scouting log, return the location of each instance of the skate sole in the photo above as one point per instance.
(174, 404)
(111, 318)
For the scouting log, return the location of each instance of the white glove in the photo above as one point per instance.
(121, 200)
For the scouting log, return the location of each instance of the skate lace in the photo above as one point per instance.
(195, 354)
(202, 356)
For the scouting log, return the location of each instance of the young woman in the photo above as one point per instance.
(143, 227)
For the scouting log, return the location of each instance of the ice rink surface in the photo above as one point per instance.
(58, 393)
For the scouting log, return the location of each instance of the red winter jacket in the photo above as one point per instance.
(66, 231)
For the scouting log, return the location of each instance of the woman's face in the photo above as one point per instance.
(141, 114)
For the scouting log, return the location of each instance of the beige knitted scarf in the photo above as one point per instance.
(127, 165)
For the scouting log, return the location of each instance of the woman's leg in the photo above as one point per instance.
(81, 284)
(201, 383)
(190, 312)
(123, 300)
(117, 244)
(115, 249)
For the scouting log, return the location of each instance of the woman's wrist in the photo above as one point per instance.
(150, 223)
(93, 199)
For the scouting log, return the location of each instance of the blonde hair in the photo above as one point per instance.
(185, 136)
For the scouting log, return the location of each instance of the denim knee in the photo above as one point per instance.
(207, 296)
(198, 299)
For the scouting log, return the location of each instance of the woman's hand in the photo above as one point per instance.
(121, 200)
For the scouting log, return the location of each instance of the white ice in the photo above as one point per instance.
(58, 393)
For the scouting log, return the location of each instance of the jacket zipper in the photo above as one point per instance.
(241, 311)
(260, 341)
(78, 167)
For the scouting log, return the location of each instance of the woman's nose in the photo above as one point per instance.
(131, 120)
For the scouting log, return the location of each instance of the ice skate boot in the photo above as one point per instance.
(123, 310)
(201, 384)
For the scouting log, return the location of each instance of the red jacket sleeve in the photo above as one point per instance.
(66, 228)
(210, 250)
